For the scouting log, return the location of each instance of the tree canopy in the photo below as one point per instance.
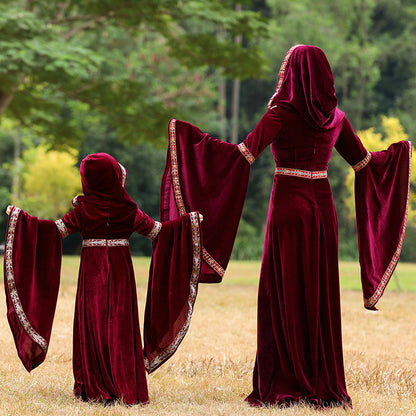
(134, 61)
(108, 75)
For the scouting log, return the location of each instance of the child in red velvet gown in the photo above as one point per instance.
(108, 360)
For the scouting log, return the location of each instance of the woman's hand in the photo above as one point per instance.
(201, 218)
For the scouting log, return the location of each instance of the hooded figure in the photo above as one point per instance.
(108, 359)
(299, 341)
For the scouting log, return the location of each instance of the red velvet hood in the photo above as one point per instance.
(306, 85)
(103, 180)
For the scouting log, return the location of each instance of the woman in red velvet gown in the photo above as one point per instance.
(108, 359)
(299, 341)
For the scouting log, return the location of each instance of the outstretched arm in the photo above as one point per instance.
(381, 203)
(266, 130)
(349, 145)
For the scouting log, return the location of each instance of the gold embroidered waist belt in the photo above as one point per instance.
(102, 242)
(306, 174)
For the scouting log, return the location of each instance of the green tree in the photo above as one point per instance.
(53, 54)
(6, 155)
(370, 48)
(49, 182)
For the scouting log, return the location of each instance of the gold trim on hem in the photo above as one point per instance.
(370, 302)
(152, 365)
(11, 283)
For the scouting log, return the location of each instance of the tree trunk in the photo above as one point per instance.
(222, 105)
(235, 105)
(222, 94)
(15, 171)
(5, 100)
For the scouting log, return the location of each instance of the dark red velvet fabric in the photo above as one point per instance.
(32, 264)
(103, 180)
(108, 361)
(172, 288)
(381, 203)
(381, 194)
(212, 179)
(306, 85)
(299, 338)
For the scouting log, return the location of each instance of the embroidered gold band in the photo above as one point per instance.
(151, 365)
(155, 230)
(246, 153)
(369, 303)
(306, 174)
(175, 168)
(177, 187)
(11, 283)
(62, 228)
(363, 163)
(102, 242)
(212, 263)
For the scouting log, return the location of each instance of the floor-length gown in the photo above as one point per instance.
(299, 342)
(107, 350)
(299, 339)
(299, 352)
(108, 358)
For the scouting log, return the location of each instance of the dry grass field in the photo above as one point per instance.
(211, 372)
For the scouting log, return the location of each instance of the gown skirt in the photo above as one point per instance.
(299, 331)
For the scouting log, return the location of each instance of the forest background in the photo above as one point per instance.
(79, 77)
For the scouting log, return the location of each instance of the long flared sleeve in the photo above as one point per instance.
(210, 176)
(32, 264)
(172, 288)
(382, 182)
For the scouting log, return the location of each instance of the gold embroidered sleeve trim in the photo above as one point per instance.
(246, 153)
(62, 228)
(151, 365)
(175, 168)
(212, 263)
(177, 189)
(369, 303)
(11, 283)
(155, 230)
(363, 163)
